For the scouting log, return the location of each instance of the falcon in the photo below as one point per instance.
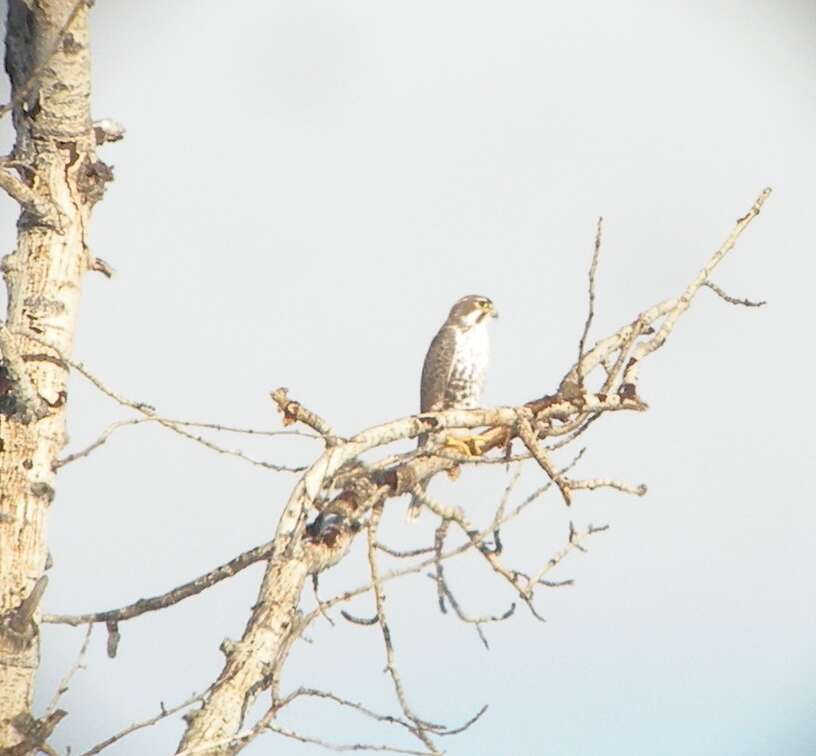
(455, 366)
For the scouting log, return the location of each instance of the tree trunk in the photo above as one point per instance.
(57, 181)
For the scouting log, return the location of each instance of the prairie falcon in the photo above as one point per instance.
(455, 366)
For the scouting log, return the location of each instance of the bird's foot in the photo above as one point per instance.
(467, 446)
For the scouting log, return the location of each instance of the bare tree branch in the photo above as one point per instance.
(644, 348)
(349, 617)
(732, 300)
(304, 548)
(527, 435)
(420, 726)
(591, 313)
(596, 483)
(575, 541)
(342, 748)
(113, 427)
(477, 622)
(404, 554)
(149, 413)
(164, 600)
(294, 412)
(476, 541)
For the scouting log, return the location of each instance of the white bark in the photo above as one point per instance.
(48, 62)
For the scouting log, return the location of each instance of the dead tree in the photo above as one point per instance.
(339, 498)
(55, 177)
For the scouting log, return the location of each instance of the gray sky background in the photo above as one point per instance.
(304, 189)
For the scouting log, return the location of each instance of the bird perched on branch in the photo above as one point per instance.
(454, 370)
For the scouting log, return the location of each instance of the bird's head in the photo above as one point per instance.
(472, 310)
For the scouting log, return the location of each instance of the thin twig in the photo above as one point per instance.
(150, 412)
(591, 314)
(439, 542)
(456, 515)
(163, 713)
(572, 436)
(538, 492)
(456, 730)
(475, 540)
(575, 541)
(596, 483)
(406, 553)
(732, 300)
(103, 437)
(477, 622)
(349, 617)
(181, 592)
(644, 348)
(472, 543)
(338, 747)
(421, 727)
(314, 693)
(169, 422)
(66, 680)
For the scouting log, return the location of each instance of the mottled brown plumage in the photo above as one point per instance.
(455, 366)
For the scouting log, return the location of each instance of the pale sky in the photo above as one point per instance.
(304, 189)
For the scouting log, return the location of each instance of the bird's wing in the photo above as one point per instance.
(436, 370)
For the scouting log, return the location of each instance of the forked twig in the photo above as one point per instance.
(149, 722)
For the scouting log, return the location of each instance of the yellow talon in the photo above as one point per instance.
(468, 446)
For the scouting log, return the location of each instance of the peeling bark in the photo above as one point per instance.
(48, 62)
